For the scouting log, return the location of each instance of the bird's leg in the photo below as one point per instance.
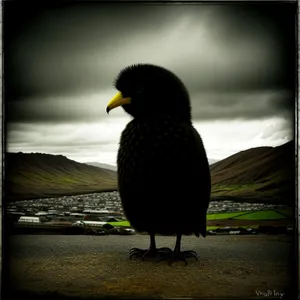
(152, 252)
(177, 255)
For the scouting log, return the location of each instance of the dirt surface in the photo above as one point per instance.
(98, 266)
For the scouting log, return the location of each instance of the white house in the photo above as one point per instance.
(25, 219)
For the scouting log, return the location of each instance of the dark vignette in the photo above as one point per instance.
(28, 11)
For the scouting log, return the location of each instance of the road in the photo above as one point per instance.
(98, 266)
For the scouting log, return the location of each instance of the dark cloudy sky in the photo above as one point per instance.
(236, 60)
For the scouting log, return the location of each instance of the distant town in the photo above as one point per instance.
(101, 203)
(98, 207)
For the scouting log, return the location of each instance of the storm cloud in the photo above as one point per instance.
(71, 50)
(205, 106)
(60, 60)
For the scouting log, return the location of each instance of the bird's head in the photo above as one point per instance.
(151, 91)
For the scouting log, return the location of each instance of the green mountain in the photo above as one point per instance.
(258, 174)
(263, 174)
(38, 175)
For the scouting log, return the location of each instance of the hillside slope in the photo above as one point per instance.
(258, 174)
(37, 175)
(103, 166)
(263, 173)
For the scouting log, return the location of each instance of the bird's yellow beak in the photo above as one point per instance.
(116, 101)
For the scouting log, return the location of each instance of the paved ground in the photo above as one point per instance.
(98, 266)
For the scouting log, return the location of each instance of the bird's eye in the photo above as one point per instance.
(139, 89)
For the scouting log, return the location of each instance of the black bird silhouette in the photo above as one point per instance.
(163, 172)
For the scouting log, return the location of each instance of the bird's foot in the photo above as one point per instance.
(148, 253)
(177, 256)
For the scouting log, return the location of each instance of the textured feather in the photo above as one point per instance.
(164, 178)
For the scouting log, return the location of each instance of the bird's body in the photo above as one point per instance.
(163, 172)
(163, 177)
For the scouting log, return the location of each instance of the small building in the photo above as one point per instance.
(41, 213)
(26, 219)
(89, 223)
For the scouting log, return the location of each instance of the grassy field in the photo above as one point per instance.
(241, 215)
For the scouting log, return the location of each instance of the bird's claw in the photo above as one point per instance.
(134, 249)
(137, 252)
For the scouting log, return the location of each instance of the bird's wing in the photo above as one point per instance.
(201, 167)
(185, 176)
(194, 179)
